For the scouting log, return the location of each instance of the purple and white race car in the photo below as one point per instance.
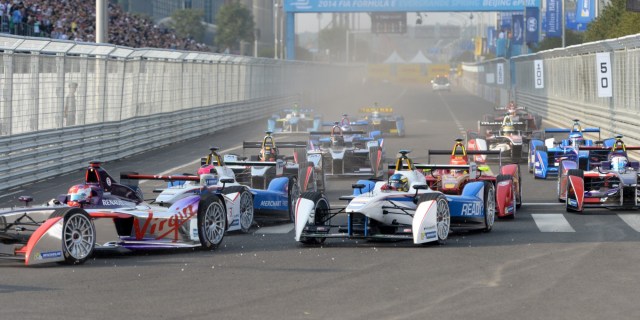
(104, 214)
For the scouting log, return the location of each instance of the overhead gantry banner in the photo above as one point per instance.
(301, 6)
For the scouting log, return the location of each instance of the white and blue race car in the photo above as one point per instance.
(402, 208)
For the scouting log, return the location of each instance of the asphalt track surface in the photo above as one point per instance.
(545, 264)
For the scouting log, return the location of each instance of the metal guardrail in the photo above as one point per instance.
(32, 157)
(64, 103)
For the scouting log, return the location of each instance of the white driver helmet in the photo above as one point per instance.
(619, 163)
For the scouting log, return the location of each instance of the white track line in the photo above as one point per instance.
(633, 220)
(282, 229)
(8, 194)
(552, 222)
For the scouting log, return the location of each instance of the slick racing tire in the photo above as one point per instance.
(212, 221)
(576, 173)
(293, 193)
(320, 211)
(246, 206)
(78, 235)
(508, 177)
(489, 206)
(443, 222)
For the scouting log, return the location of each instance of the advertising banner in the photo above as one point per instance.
(585, 11)
(533, 24)
(554, 19)
(407, 5)
(517, 32)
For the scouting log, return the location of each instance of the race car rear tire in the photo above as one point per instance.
(321, 208)
(489, 206)
(293, 193)
(246, 206)
(212, 221)
(78, 235)
(443, 219)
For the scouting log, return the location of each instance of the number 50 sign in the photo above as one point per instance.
(603, 67)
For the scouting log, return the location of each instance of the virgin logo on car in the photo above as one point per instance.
(471, 209)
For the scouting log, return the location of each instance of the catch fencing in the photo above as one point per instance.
(568, 87)
(64, 103)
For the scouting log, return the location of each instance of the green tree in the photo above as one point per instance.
(571, 38)
(188, 23)
(614, 21)
(235, 24)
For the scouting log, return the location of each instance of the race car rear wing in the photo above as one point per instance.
(471, 168)
(567, 130)
(468, 152)
(499, 123)
(323, 133)
(283, 145)
(158, 177)
(607, 148)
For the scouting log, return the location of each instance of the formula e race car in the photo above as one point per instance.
(611, 183)
(545, 154)
(506, 136)
(270, 163)
(451, 178)
(401, 208)
(530, 121)
(273, 201)
(441, 83)
(294, 120)
(346, 152)
(65, 230)
(382, 119)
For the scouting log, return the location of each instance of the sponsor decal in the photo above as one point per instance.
(471, 209)
(49, 255)
(161, 227)
(108, 181)
(114, 202)
(503, 183)
(266, 203)
(431, 235)
(573, 202)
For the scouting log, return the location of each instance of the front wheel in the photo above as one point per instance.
(443, 215)
(78, 235)
(320, 209)
(212, 222)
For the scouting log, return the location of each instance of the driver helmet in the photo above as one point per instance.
(337, 141)
(268, 153)
(79, 193)
(508, 129)
(399, 182)
(576, 139)
(619, 163)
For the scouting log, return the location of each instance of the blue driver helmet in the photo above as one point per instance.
(619, 164)
(399, 182)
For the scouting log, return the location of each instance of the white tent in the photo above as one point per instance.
(394, 58)
(420, 58)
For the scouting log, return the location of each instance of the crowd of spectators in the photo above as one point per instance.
(75, 20)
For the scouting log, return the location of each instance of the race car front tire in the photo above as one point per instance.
(443, 219)
(508, 177)
(321, 207)
(212, 221)
(246, 206)
(78, 235)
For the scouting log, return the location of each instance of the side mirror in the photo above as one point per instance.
(358, 186)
